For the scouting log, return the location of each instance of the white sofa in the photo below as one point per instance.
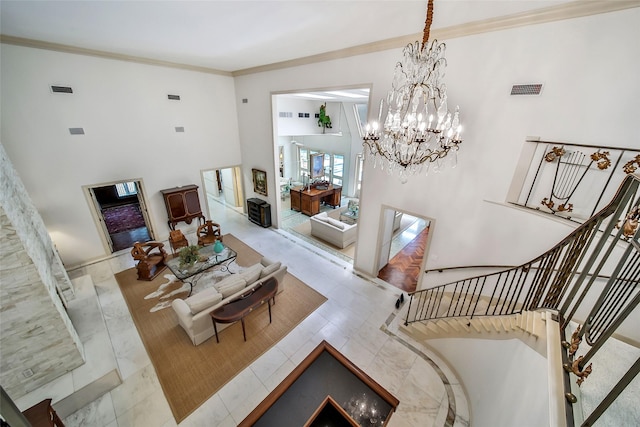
(330, 229)
(193, 312)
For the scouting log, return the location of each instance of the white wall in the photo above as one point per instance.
(589, 69)
(588, 66)
(495, 374)
(129, 125)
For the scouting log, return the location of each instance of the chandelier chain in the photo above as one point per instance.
(427, 24)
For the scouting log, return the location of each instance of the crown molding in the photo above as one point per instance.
(575, 9)
(57, 47)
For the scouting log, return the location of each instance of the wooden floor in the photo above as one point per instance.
(404, 269)
(126, 239)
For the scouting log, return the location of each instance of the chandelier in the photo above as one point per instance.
(418, 129)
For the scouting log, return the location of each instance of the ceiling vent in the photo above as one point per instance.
(179, 128)
(528, 89)
(174, 97)
(76, 131)
(61, 89)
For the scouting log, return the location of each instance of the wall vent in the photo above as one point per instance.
(174, 97)
(61, 89)
(76, 131)
(285, 114)
(528, 89)
(179, 128)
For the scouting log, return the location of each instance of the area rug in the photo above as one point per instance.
(123, 218)
(188, 374)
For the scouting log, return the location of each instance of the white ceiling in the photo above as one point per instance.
(236, 35)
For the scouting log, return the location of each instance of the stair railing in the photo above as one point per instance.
(567, 279)
(550, 281)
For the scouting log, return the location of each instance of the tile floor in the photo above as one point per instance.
(359, 318)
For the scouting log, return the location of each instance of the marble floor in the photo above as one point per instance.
(359, 319)
(409, 229)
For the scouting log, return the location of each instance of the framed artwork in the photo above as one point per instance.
(259, 181)
(317, 165)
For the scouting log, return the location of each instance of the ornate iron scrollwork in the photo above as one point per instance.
(630, 167)
(575, 368)
(630, 224)
(601, 159)
(555, 153)
(576, 339)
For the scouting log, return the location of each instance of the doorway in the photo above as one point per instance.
(404, 240)
(224, 186)
(121, 212)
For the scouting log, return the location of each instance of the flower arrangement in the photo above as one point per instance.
(188, 255)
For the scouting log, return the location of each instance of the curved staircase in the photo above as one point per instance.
(589, 278)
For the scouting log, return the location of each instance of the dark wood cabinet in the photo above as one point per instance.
(259, 212)
(183, 204)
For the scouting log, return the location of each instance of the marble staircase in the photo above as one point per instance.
(528, 326)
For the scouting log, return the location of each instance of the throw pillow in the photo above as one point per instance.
(270, 269)
(232, 286)
(251, 274)
(322, 216)
(267, 261)
(336, 223)
(202, 300)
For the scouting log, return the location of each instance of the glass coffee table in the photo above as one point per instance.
(349, 217)
(207, 259)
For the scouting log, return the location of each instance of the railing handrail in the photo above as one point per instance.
(503, 267)
(604, 212)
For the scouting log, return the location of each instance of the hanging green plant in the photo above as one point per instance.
(188, 256)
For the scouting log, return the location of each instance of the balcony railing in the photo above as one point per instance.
(573, 181)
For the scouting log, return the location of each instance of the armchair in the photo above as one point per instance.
(208, 233)
(151, 258)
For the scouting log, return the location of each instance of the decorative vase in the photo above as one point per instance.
(218, 247)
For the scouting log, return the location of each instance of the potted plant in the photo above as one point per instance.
(188, 256)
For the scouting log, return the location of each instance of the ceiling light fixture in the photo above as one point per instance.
(418, 129)
(348, 94)
(312, 95)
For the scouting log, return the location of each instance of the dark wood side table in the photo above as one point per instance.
(240, 308)
(43, 415)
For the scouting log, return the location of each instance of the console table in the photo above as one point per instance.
(240, 308)
(308, 201)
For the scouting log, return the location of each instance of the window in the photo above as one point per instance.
(358, 174)
(303, 161)
(333, 165)
(126, 189)
(337, 169)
